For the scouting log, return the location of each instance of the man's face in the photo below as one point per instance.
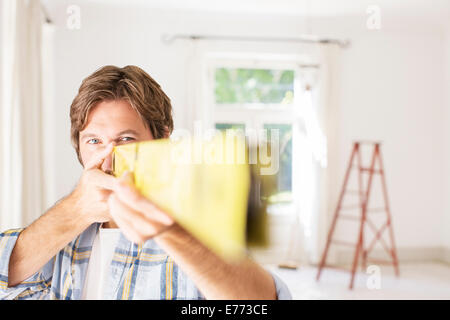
(113, 122)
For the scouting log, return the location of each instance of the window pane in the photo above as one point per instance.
(226, 126)
(236, 130)
(253, 86)
(284, 183)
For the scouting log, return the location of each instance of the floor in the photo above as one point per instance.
(416, 281)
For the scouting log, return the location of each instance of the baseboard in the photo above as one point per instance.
(446, 255)
(273, 255)
(268, 256)
(405, 255)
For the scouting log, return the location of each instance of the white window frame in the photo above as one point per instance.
(253, 115)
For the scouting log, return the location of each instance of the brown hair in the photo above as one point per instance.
(129, 83)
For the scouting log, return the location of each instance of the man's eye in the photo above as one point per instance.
(93, 141)
(126, 139)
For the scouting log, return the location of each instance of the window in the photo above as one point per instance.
(258, 96)
(284, 178)
(228, 126)
(260, 86)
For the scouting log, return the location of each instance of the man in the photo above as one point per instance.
(105, 240)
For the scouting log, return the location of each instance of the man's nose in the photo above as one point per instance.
(107, 164)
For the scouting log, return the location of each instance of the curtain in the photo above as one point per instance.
(21, 157)
(316, 144)
(328, 118)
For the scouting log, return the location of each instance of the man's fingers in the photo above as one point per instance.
(132, 198)
(103, 180)
(121, 220)
(98, 159)
(132, 222)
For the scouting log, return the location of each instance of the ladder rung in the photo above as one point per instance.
(376, 209)
(366, 169)
(367, 142)
(343, 243)
(370, 170)
(349, 217)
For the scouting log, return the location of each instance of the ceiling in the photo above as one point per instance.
(436, 11)
(312, 7)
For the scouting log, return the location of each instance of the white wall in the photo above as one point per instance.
(391, 89)
(446, 133)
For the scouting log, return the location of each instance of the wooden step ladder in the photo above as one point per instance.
(364, 193)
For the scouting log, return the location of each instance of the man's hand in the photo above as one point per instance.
(45, 237)
(137, 217)
(94, 187)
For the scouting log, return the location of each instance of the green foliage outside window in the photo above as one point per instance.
(253, 86)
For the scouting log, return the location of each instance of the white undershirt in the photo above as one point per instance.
(101, 257)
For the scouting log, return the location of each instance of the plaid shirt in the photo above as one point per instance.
(136, 272)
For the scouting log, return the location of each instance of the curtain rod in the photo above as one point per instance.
(169, 39)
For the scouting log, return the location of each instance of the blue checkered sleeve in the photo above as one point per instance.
(37, 286)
